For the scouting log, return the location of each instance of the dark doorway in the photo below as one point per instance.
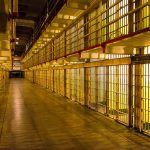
(16, 74)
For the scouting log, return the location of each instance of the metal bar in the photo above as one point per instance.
(111, 62)
(85, 87)
(53, 80)
(96, 88)
(107, 90)
(117, 92)
(130, 99)
(46, 79)
(65, 82)
(132, 11)
(138, 94)
(125, 36)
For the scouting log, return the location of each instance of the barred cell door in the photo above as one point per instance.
(68, 76)
(101, 89)
(123, 94)
(73, 84)
(62, 82)
(90, 87)
(146, 99)
(80, 86)
(141, 97)
(118, 97)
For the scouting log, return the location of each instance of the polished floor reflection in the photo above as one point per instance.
(32, 118)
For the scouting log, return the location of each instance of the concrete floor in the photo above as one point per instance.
(32, 118)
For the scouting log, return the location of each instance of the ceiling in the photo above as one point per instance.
(32, 14)
(21, 31)
(60, 21)
(29, 12)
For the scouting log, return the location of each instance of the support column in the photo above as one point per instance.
(107, 90)
(65, 44)
(117, 92)
(53, 79)
(130, 99)
(138, 97)
(46, 79)
(117, 34)
(70, 86)
(85, 87)
(33, 76)
(96, 88)
(149, 12)
(65, 82)
(130, 25)
(86, 31)
(59, 80)
(75, 84)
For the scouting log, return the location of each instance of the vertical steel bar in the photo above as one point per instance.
(107, 90)
(117, 92)
(130, 99)
(85, 87)
(96, 88)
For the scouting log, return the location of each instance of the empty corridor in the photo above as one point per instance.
(33, 118)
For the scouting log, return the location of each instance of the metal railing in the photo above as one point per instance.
(50, 10)
(96, 28)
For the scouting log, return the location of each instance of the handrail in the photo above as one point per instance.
(130, 12)
(76, 38)
(44, 20)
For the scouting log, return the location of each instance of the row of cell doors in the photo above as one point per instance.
(113, 90)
